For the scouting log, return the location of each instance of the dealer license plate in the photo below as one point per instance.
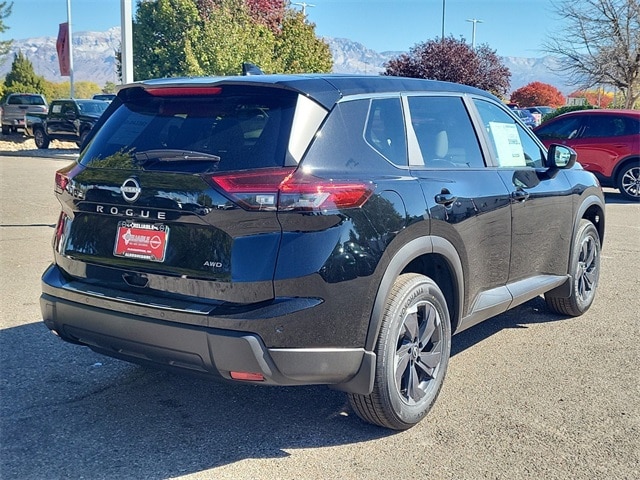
(141, 240)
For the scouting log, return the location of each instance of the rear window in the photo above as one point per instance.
(91, 107)
(26, 100)
(237, 127)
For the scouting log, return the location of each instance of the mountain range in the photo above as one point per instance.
(94, 60)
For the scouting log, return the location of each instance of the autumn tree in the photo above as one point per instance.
(23, 78)
(453, 60)
(597, 98)
(538, 93)
(81, 89)
(600, 44)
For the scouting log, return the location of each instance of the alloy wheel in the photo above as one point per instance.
(419, 352)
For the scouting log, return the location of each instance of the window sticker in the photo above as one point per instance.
(508, 144)
(131, 129)
(57, 108)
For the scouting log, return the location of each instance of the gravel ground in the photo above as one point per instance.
(18, 142)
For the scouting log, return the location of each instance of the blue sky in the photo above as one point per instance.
(511, 27)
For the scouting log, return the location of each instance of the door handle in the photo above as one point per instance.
(445, 198)
(519, 195)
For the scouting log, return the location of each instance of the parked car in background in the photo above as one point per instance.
(106, 97)
(67, 119)
(607, 143)
(314, 229)
(526, 117)
(16, 106)
(539, 112)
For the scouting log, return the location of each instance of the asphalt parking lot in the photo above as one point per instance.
(529, 394)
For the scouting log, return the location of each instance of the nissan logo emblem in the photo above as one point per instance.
(130, 189)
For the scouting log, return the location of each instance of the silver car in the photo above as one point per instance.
(13, 111)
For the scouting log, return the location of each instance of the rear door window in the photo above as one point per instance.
(384, 130)
(444, 133)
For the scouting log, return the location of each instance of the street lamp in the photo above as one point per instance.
(443, 9)
(473, 33)
(304, 6)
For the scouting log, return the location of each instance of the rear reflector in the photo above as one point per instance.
(248, 376)
(287, 189)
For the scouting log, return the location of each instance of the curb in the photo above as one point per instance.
(59, 154)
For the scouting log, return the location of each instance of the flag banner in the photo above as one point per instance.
(63, 45)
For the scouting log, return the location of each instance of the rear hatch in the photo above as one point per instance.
(177, 192)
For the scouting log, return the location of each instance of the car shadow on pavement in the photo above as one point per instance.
(68, 412)
(531, 312)
(613, 196)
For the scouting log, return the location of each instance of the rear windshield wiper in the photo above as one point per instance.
(168, 155)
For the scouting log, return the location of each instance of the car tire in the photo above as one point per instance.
(412, 353)
(6, 130)
(629, 180)
(585, 272)
(83, 138)
(40, 138)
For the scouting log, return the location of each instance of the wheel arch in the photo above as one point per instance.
(434, 257)
(621, 165)
(592, 209)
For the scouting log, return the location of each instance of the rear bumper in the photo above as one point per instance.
(190, 345)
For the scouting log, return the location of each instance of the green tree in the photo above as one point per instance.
(227, 39)
(214, 37)
(298, 50)
(5, 11)
(22, 77)
(161, 33)
(453, 60)
(109, 87)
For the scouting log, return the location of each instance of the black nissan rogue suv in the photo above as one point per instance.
(314, 229)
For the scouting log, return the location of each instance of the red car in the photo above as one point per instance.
(607, 142)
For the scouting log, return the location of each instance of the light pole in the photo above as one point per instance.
(304, 6)
(443, 10)
(473, 32)
(126, 45)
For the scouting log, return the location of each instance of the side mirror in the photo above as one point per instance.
(561, 156)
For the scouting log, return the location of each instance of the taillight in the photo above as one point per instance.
(65, 175)
(288, 189)
(62, 180)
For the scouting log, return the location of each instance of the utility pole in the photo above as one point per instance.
(473, 32)
(126, 52)
(443, 10)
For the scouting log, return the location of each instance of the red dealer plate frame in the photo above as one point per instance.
(143, 241)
